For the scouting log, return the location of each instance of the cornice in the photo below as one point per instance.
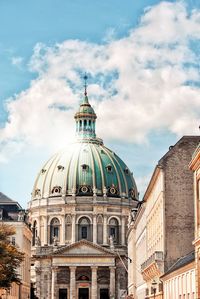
(152, 182)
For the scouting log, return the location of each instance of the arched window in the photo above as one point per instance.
(54, 230)
(68, 227)
(99, 229)
(85, 123)
(114, 230)
(35, 233)
(84, 229)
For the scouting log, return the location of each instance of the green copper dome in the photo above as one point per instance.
(86, 167)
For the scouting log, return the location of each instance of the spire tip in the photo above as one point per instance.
(85, 85)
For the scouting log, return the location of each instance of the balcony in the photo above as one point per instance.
(153, 266)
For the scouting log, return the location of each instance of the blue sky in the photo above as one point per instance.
(142, 58)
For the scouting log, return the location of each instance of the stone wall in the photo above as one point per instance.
(179, 205)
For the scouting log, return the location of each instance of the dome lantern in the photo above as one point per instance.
(85, 118)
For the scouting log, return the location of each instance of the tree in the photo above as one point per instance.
(10, 257)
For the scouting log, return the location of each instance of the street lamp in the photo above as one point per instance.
(153, 285)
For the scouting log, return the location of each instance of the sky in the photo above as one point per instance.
(142, 58)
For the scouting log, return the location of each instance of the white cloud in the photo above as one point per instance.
(17, 61)
(140, 83)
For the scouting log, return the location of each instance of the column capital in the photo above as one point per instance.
(54, 268)
(72, 268)
(94, 268)
(112, 267)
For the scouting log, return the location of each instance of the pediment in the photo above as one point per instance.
(82, 248)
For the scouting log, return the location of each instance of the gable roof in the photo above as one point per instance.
(181, 262)
(98, 250)
(187, 139)
(5, 199)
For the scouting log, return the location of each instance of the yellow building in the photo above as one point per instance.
(195, 166)
(11, 213)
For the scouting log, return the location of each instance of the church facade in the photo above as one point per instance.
(79, 212)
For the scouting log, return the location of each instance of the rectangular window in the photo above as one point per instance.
(84, 232)
(55, 232)
(112, 232)
(62, 293)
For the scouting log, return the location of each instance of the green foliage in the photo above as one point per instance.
(10, 257)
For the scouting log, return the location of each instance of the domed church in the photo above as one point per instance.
(79, 212)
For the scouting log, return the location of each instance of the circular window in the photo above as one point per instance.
(84, 189)
(113, 190)
(132, 193)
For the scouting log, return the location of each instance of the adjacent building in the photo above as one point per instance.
(163, 227)
(195, 166)
(79, 212)
(179, 280)
(12, 213)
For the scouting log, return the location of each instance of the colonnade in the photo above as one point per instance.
(44, 235)
(73, 287)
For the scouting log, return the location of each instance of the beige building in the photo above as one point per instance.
(195, 166)
(11, 213)
(137, 241)
(179, 280)
(79, 212)
(164, 227)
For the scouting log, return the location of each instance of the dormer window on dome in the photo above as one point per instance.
(109, 168)
(132, 193)
(60, 167)
(37, 192)
(56, 189)
(126, 171)
(85, 167)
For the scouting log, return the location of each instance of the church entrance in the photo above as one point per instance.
(83, 293)
(62, 293)
(104, 294)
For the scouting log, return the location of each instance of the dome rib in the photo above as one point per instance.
(53, 173)
(118, 178)
(74, 181)
(67, 175)
(101, 168)
(122, 172)
(45, 179)
(93, 169)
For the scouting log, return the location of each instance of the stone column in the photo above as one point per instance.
(105, 237)
(63, 230)
(49, 284)
(73, 229)
(45, 231)
(94, 283)
(123, 231)
(38, 228)
(72, 282)
(112, 282)
(54, 281)
(94, 229)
